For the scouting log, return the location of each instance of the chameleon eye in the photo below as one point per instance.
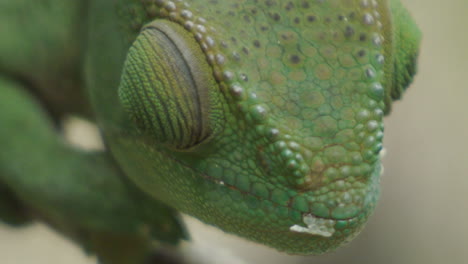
(401, 68)
(168, 89)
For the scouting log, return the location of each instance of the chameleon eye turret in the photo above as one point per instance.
(168, 88)
(404, 45)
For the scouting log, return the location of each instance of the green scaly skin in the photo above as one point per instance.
(263, 118)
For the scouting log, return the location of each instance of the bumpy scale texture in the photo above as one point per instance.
(296, 165)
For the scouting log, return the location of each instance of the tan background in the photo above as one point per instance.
(422, 216)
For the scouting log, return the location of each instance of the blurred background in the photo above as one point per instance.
(422, 216)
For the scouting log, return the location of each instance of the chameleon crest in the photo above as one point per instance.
(297, 97)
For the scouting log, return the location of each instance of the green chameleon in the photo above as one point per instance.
(260, 117)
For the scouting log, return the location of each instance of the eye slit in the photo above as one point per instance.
(168, 89)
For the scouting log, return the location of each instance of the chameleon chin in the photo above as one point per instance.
(263, 118)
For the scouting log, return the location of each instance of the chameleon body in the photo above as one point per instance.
(263, 118)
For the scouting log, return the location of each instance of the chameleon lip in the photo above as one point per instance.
(315, 226)
(318, 226)
(335, 218)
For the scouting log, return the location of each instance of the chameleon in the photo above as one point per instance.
(263, 118)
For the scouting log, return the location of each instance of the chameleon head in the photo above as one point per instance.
(268, 126)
